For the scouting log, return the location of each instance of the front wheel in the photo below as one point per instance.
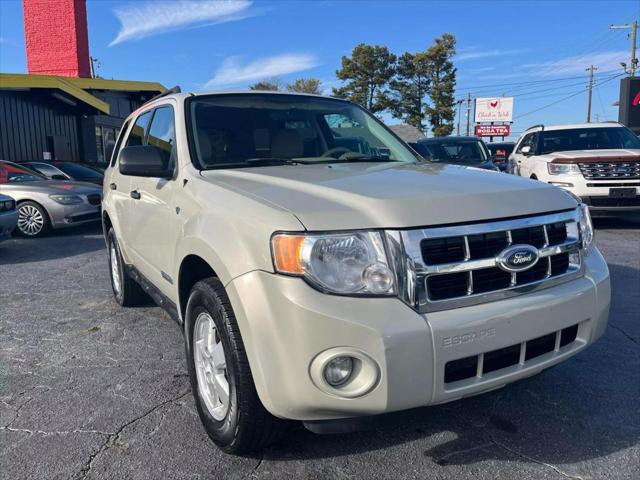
(33, 220)
(221, 380)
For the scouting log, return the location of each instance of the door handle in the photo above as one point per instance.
(113, 186)
(135, 194)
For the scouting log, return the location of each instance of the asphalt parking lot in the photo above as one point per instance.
(91, 390)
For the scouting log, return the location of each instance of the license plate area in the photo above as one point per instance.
(622, 192)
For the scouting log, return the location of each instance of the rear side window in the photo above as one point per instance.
(136, 136)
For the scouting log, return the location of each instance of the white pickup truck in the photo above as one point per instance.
(598, 162)
(321, 270)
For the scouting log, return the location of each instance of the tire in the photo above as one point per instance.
(126, 290)
(33, 220)
(242, 425)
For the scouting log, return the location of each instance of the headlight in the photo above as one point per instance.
(342, 263)
(563, 169)
(66, 199)
(586, 226)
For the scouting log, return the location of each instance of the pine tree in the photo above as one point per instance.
(366, 73)
(442, 80)
(306, 85)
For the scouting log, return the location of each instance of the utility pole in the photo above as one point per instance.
(591, 69)
(459, 102)
(634, 34)
(468, 113)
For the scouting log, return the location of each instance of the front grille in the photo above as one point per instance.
(94, 199)
(610, 170)
(453, 266)
(614, 202)
(486, 246)
(520, 353)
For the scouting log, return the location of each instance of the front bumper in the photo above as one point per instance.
(8, 221)
(285, 325)
(596, 193)
(70, 215)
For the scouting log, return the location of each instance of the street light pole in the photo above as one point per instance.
(590, 89)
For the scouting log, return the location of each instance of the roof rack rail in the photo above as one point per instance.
(171, 91)
(541, 126)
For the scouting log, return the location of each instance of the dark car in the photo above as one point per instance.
(500, 152)
(66, 171)
(467, 151)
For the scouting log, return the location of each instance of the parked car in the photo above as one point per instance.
(67, 171)
(500, 152)
(44, 204)
(598, 162)
(467, 151)
(8, 216)
(317, 283)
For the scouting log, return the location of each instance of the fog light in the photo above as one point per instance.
(338, 370)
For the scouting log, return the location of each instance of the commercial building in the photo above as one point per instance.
(58, 111)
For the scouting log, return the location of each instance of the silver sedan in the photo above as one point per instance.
(45, 204)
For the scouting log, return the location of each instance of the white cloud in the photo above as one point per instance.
(576, 65)
(144, 19)
(475, 53)
(231, 72)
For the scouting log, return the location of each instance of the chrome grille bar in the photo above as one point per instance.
(412, 271)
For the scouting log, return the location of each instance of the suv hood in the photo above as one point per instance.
(579, 156)
(391, 195)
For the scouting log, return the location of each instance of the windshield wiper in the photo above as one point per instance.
(253, 162)
(362, 158)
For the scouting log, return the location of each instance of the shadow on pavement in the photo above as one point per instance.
(63, 243)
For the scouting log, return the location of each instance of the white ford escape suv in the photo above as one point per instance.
(599, 162)
(321, 271)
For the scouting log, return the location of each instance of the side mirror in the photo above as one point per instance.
(144, 161)
(526, 150)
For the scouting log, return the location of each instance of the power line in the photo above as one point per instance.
(565, 98)
(529, 82)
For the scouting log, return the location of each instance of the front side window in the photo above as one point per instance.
(600, 138)
(136, 136)
(242, 130)
(162, 132)
(528, 141)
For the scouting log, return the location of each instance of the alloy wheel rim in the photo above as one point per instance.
(115, 270)
(30, 220)
(211, 367)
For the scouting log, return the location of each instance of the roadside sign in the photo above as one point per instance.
(492, 130)
(497, 109)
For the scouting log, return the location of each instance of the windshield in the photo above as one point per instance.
(78, 171)
(587, 139)
(241, 130)
(12, 173)
(450, 151)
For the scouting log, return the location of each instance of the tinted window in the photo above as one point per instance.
(78, 171)
(587, 139)
(457, 152)
(530, 141)
(46, 169)
(136, 136)
(12, 173)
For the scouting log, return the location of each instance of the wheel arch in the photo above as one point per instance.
(193, 268)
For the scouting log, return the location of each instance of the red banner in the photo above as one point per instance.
(493, 130)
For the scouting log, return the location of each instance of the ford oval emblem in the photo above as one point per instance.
(517, 258)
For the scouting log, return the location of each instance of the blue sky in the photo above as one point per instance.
(537, 51)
